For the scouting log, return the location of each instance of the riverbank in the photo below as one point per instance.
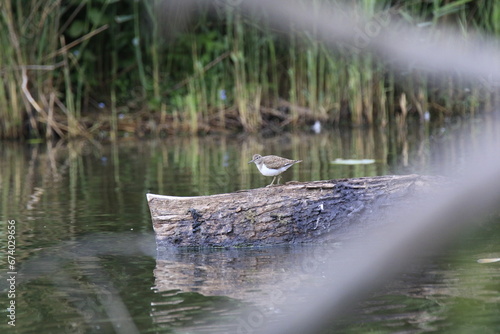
(81, 70)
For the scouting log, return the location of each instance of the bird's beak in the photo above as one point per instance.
(250, 161)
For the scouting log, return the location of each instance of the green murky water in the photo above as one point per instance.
(84, 259)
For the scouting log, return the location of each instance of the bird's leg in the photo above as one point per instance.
(272, 182)
(279, 178)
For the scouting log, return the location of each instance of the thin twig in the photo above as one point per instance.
(71, 45)
(205, 68)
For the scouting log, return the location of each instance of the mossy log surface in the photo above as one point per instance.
(297, 212)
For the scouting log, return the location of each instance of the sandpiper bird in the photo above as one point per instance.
(272, 165)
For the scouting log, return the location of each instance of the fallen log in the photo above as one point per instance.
(297, 212)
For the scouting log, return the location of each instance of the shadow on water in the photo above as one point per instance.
(86, 258)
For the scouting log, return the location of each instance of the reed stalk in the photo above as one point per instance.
(198, 87)
(192, 109)
(113, 99)
(137, 47)
(311, 89)
(240, 92)
(355, 95)
(70, 101)
(292, 78)
(11, 58)
(154, 50)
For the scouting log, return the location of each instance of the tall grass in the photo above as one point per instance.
(39, 71)
(21, 63)
(79, 68)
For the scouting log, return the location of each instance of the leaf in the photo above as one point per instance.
(95, 16)
(123, 18)
(76, 29)
(450, 8)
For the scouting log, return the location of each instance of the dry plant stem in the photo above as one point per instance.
(30, 98)
(205, 69)
(65, 48)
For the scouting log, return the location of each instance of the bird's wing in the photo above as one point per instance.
(277, 164)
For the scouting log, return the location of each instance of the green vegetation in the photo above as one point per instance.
(104, 68)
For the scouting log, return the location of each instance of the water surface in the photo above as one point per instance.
(85, 254)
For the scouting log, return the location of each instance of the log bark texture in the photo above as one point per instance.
(285, 214)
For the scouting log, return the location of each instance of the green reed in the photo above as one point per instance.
(226, 71)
